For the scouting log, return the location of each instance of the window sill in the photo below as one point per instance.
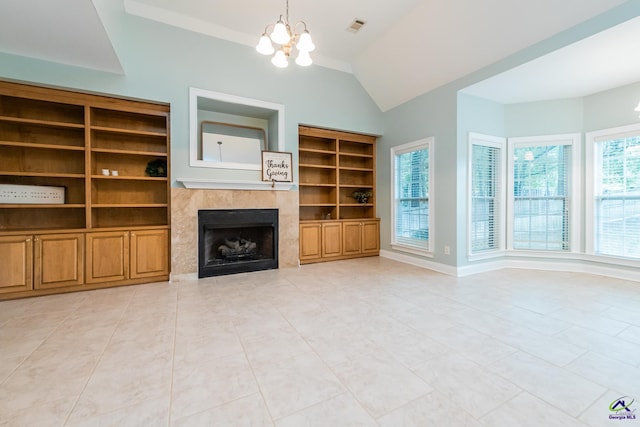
(525, 253)
(560, 255)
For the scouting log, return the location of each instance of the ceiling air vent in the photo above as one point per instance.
(356, 25)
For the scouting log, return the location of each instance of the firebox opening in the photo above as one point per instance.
(237, 241)
(229, 245)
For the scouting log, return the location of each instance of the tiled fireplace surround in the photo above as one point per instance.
(185, 204)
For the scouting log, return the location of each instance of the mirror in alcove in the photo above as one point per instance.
(229, 143)
(228, 131)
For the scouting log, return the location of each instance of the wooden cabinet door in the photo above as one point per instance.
(149, 253)
(16, 264)
(331, 239)
(310, 241)
(107, 256)
(351, 237)
(370, 237)
(58, 260)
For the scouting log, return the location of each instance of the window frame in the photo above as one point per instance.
(478, 139)
(574, 196)
(426, 143)
(591, 158)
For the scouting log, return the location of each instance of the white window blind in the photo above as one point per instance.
(486, 198)
(617, 197)
(541, 191)
(412, 171)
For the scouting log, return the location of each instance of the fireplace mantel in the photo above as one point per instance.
(215, 184)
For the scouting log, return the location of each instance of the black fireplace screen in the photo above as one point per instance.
(237, 240)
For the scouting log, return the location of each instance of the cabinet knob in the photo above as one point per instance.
(133, 234)
(28, 240)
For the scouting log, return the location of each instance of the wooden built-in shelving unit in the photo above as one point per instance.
(60, 138)
(332, 165)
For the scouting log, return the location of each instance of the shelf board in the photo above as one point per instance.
(307, 165)
(128, 131)
(134, 152)
(357, 205)
(44, 230)
(344, 168)
(314, 150)
(128, 205)
(130, 178)
(307, 184)
(130, 227)
(43, 174)
(42, 206)
(367, 156)
(41, 146)
(356, 186)
(317, 205)
(334, 220)
(50, 123)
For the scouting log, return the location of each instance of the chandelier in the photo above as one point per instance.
(287, 42)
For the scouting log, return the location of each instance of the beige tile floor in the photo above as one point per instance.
(367, 342)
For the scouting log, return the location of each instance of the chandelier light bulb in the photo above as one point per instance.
(280, 34)
(305, 43)
(303, 59)
(280, 60)
(264, 46)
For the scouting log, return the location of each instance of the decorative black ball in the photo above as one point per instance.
(157, 167)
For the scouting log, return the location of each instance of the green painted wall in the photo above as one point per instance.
(544, 118)
(161, 63)
(432, 115)
(612, 108)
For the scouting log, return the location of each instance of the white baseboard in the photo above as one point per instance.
(569, 265)
(419, 262)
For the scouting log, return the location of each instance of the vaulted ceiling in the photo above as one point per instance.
(405, 49)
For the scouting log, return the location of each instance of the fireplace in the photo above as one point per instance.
(237, 241)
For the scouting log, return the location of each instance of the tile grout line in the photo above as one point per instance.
(98, 359)
(173, 357)
(558, 367)
(38, 346)
(255, 378)
(347, 388)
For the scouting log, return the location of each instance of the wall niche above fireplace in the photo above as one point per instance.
(240, 114)
(237, 241)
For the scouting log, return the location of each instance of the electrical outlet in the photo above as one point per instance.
(447, 250)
